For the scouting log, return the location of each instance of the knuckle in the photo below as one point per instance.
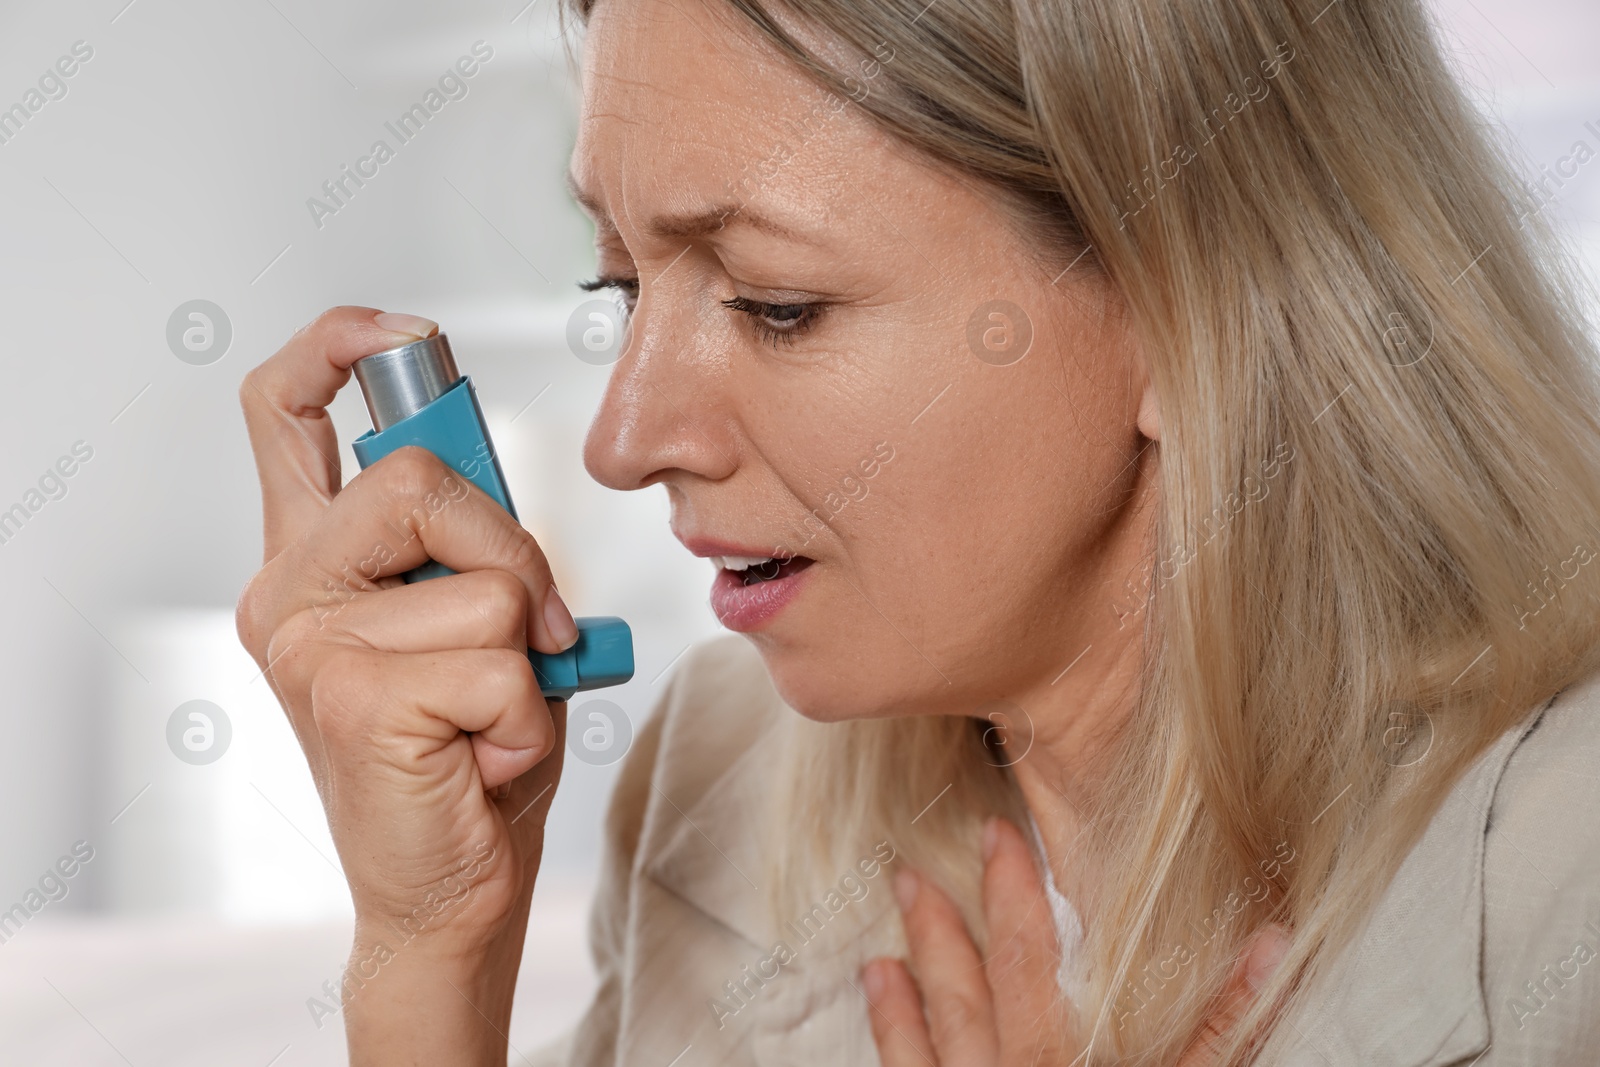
(508, 671)
(958, 1012)
(249, 388)
(247, 622)
(279, 646)
(340, 691)
(526, 555)
(261, 616)
(334, 316)
(329, 321)
(1007, 956)
(301, 630)
(255, 613)
(411, 472)
(290, 670)
(503, 600)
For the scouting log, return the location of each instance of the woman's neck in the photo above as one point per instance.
(1073, 720)
(1075, 714)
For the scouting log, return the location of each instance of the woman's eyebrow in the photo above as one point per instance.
(692, 224)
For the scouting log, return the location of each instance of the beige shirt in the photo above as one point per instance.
(1483, 950)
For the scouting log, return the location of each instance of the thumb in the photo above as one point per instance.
(1254, 965)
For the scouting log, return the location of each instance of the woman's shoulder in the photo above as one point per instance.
(1480, 948)
(1541, 850)
(1541, 885)
(1553, 774)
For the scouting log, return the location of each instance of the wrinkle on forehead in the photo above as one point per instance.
(693, 40)
(700, 128)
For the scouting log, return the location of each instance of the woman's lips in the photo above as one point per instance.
(743, 608)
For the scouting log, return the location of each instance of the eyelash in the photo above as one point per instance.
(800, 317)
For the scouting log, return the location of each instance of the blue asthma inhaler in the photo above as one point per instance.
(417, 397)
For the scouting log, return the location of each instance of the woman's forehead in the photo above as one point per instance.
(686, 111)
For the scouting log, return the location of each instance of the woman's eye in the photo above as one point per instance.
(776, 322)
(628, 287)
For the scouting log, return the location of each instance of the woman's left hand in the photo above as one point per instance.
(1006, 1011)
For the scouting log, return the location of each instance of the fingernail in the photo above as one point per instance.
(558, 620)
(991, 836)
(872, 981)
(415, 325)
(905, 889)
(500, 792)
(1264, 959)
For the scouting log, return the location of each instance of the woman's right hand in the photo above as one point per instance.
(432, 748)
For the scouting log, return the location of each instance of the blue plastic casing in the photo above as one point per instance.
(452, 427)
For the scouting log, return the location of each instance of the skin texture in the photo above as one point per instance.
(980, 564)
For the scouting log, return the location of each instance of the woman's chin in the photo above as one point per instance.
(827, 696)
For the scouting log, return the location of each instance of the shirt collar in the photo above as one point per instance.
(709, 848)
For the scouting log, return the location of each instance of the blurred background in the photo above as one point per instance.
(174, 165)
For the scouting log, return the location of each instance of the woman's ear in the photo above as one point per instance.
(1149, 417)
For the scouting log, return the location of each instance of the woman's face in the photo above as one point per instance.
(815, 367)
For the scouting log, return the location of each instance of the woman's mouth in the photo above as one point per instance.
(748, 590)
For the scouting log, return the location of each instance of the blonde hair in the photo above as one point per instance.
(1326, 260)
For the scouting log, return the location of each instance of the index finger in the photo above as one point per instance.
(956, 995)
(285, 401)
(1023, 954)
(403, 510)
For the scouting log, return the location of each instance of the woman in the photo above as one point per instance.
(1148, 446)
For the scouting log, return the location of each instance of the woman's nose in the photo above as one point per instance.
(665, 406)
